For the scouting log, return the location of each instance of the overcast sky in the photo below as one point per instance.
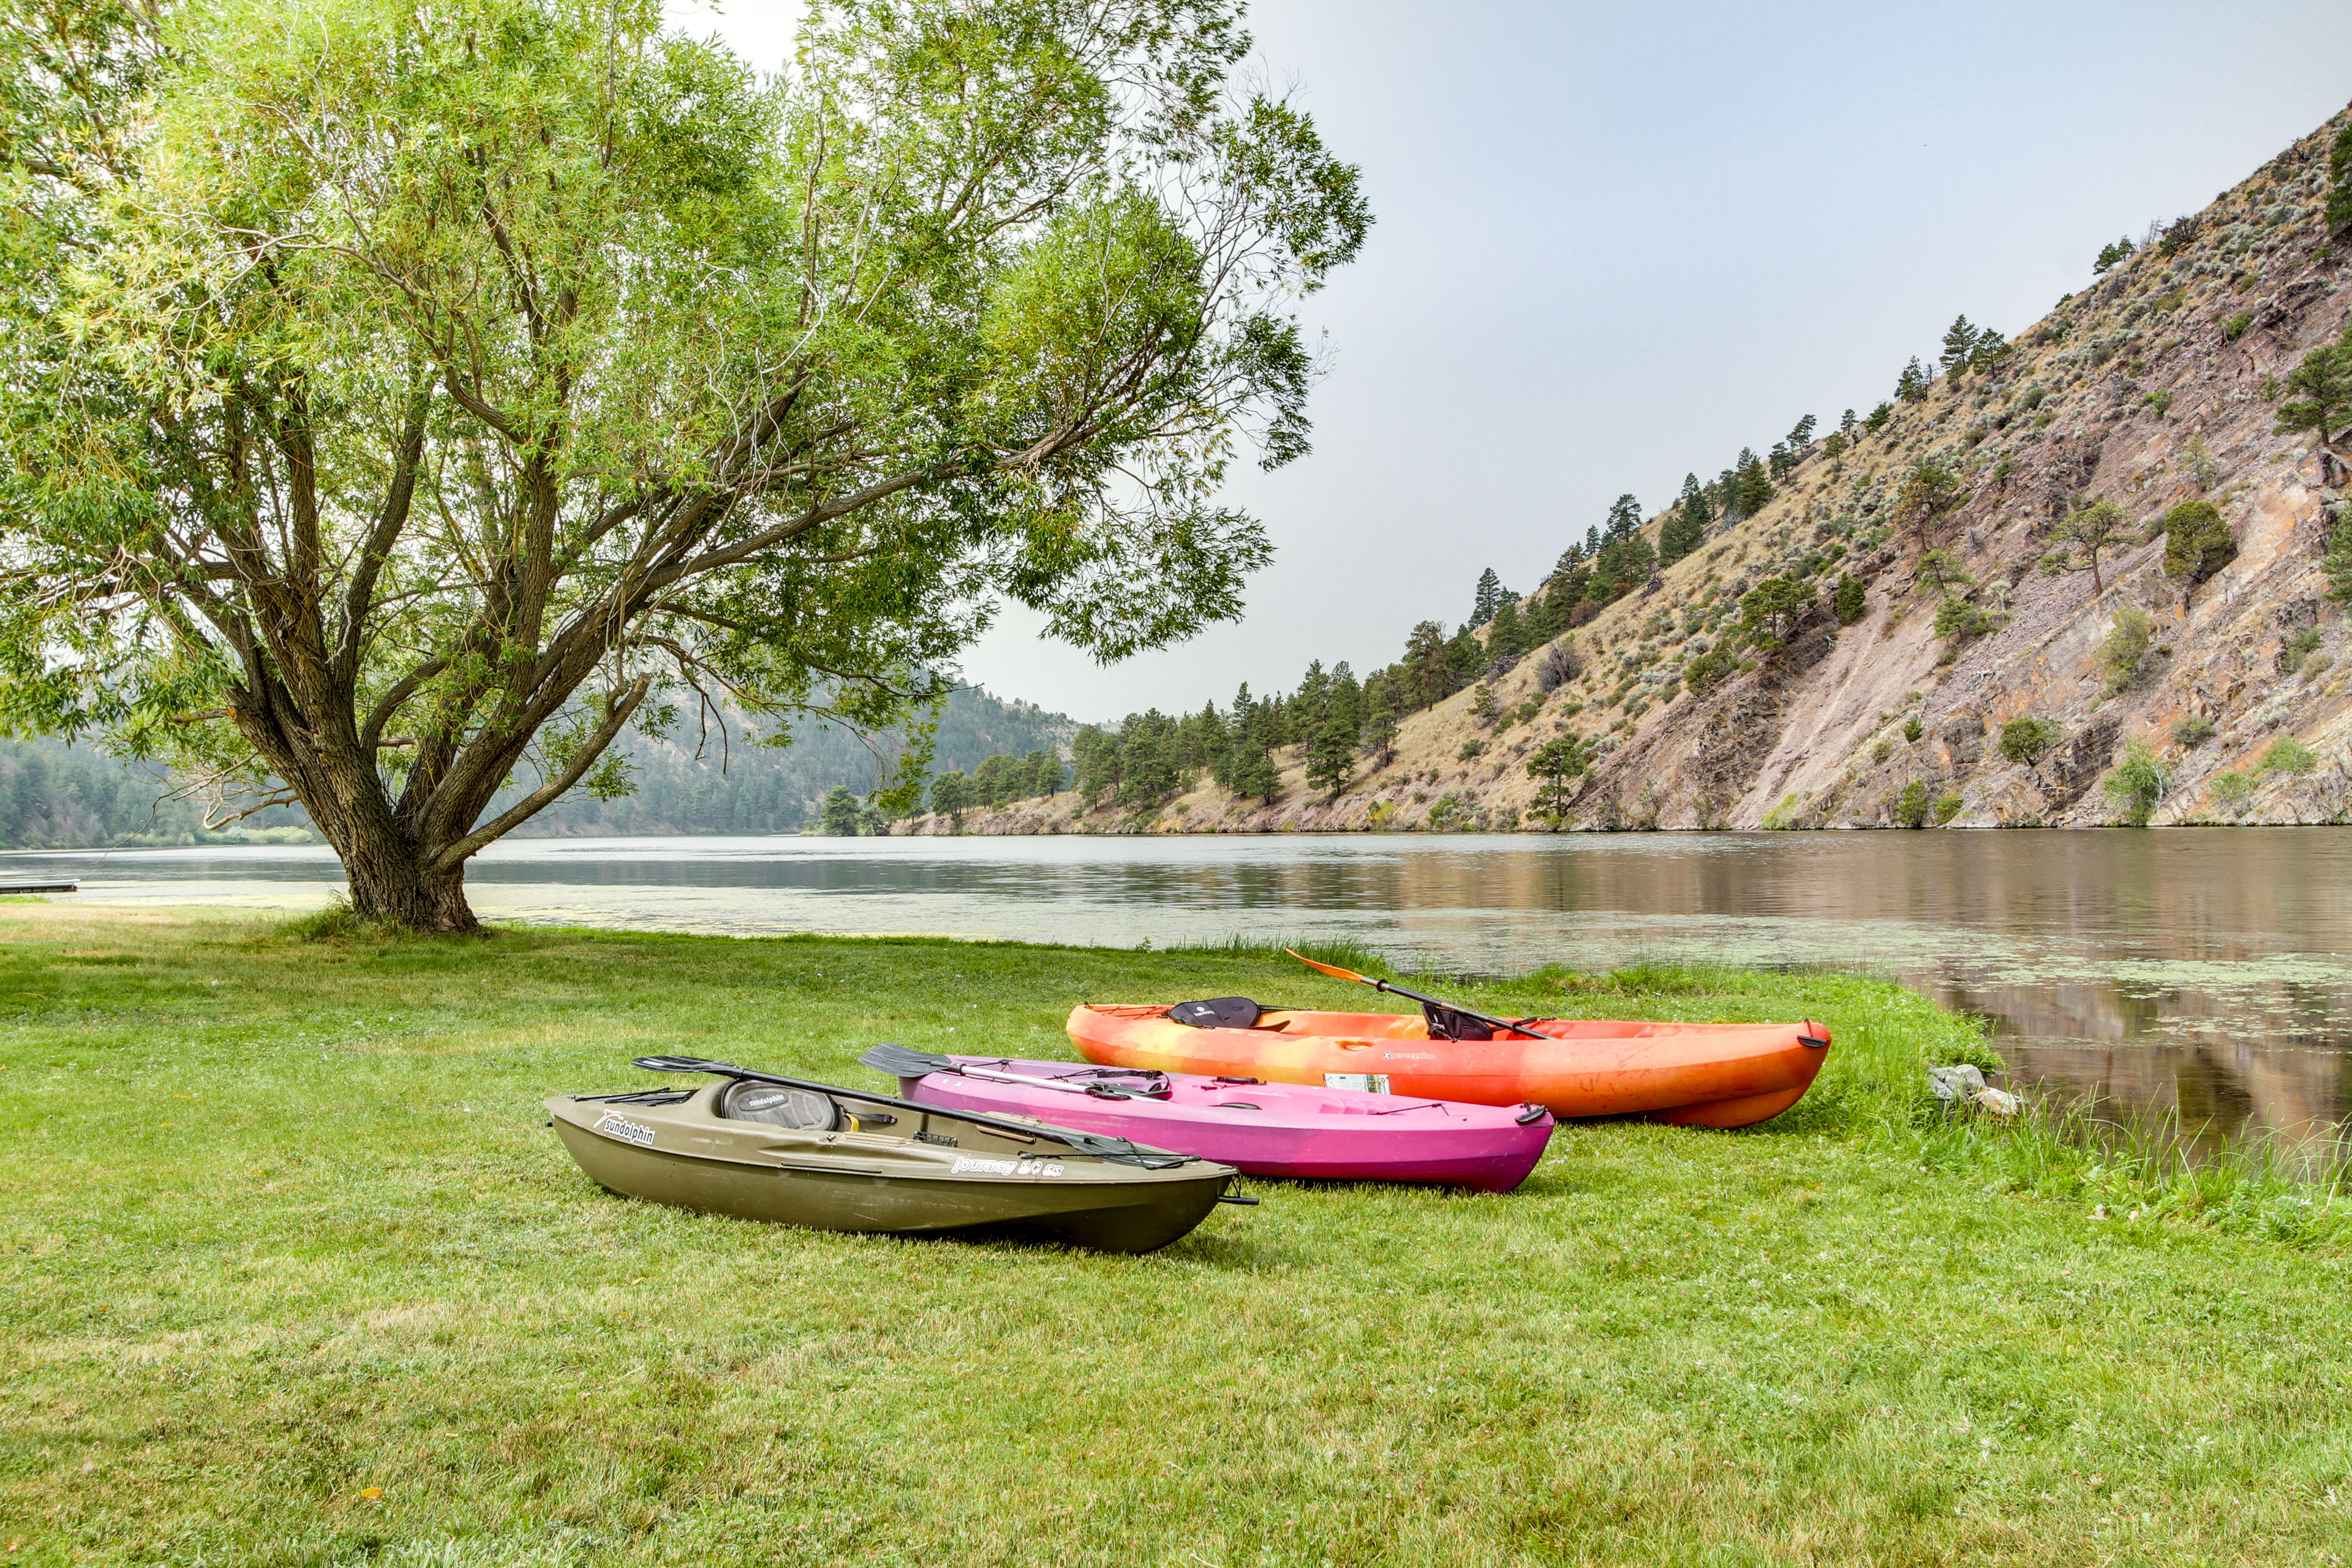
(1614, 244)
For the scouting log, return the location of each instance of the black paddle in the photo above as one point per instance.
(1114, 1149)
(1336, 973)
(900, 1062)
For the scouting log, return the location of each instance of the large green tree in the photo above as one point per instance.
(402, 402)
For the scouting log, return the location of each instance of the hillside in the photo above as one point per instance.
(2216, 687)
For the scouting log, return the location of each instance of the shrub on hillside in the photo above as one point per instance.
(2231, 792)
(2288, 755)
(1911, 810)
(2125, 648)
(2193, 730)
(2197, 542)
(1710, 667)
(1561, 665)
(1849, 603)
(2028, 740)
(2138, 783)
(2296, 648)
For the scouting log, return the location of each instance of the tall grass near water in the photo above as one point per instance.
(2289, 1185)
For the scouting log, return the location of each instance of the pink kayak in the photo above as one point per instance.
(1263, 1129)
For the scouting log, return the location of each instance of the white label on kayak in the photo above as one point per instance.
(1408, 1055)
(966, 1164)
(628, 1132)
(1362, 1082)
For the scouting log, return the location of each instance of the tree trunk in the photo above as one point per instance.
(389, 867)
(389, 883)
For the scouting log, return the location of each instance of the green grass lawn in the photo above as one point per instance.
(296, 1275)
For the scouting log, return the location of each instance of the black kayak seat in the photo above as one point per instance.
(804, 1111)
(1218, 1012)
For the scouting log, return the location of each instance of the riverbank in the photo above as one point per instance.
(296, 1275)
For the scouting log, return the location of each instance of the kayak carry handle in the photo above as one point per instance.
(1230, 1198)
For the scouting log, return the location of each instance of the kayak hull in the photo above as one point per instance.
(1707, 1075)
(1268, 1129)
(942, 1176)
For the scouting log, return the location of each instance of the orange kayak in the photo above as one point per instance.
(1700, 1075)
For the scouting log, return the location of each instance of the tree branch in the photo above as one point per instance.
(616, 718)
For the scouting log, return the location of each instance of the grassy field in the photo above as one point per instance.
(295, 1275)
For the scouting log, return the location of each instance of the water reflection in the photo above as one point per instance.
(2207, 972)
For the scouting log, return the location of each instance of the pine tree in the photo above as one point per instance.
(1428, 673)
(1149, 772)
(988, 781)
(1308, 704)
(1332, 756)
(1506, 633)
(1685, 529)
(1200, 739)
(1751, 485)
(2338, 562)
(1252, 771)
(1802, 435)
(1930, 493)
(1489, 595)
(1379, 738)
(1555, 764)
(1346, 702)
(1914, 382)
(839, 817)
(1623, 564)
(1049, 779)
(1466, 654)
(2111, 254)
(1781, 461)
(1096, 755)
(2323, 402)
(1548, 612)
(951, 795)
(1624, 517)
(2083, 537)
(1846, 424)
(1959, 344)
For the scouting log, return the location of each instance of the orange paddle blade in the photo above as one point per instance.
(1333, 970)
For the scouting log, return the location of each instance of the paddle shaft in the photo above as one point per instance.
(1519, 1029)
(729, 1069)
(1336, 973)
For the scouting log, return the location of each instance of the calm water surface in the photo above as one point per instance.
(2204, 970)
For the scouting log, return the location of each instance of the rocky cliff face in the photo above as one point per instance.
(2155, 387)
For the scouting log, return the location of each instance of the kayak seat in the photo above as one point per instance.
(779, 1105)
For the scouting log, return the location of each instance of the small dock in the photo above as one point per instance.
(40, 886)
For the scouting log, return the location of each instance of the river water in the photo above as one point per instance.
(2203, 971)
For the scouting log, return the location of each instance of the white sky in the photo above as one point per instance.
(1617, 243)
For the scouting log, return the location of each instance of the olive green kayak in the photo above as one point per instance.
(790, 1152)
